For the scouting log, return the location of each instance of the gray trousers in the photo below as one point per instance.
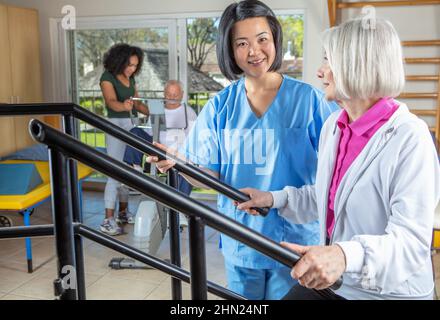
(116, 149)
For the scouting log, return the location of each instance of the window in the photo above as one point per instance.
(204, 76)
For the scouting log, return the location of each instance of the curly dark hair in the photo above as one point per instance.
(117, 58)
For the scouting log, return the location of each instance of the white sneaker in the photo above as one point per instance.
(125, 217)
(110, 227)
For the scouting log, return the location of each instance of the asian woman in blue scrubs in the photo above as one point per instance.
(263, 121)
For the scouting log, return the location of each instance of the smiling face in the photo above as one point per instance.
(253, 46)
(326, 75)
(173, 96)
(132, 66)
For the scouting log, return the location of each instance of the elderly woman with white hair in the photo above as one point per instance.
(377, 182)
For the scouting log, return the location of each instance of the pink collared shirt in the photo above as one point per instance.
(354, 137)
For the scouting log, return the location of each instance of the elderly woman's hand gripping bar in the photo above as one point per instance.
(203, 177)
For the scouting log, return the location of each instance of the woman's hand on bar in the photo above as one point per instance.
(163, 165)
(259, 199)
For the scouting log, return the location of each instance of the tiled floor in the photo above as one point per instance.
(101, 281)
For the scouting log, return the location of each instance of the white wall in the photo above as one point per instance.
(316, 11)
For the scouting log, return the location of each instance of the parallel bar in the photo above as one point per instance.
(421, 43)
(149, 148)
(62, 217)
(174, 227)
(35, 109)
(197, 258)
(422, 60)
(424, 112)
(422, 78)
(162, 193)
(150, 260)
(360, 4)
(418, 95)
(24, 232)
(70, 129)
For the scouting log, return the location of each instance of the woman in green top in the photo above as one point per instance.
(121, 63)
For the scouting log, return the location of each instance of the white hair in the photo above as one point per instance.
(366, 59)
(172, 83)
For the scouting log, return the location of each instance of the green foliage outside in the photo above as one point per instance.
(88, 135)
(198, 99)
(204, 191)
(293, 30)
(93, 104)
(93, 139)
(202, 35)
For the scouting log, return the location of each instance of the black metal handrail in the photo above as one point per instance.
(67, 111)
(199, 213)
(36, 109)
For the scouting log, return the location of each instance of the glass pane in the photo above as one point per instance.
(204, 76)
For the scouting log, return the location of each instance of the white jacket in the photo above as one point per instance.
(384, 208)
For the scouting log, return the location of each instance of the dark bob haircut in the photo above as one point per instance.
(238, 12)
(117, 58)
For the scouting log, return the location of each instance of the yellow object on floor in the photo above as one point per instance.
(43, 191)
(436, 243)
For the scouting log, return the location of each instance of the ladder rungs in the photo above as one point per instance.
(342, 5)
(421, 43)
(422, 60)
(418, 95)
(425, 112)
(422, 78)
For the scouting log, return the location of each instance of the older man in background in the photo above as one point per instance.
(179, 121)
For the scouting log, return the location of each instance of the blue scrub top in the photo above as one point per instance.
(268, 153)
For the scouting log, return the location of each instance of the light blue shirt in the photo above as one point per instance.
(268, 153)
